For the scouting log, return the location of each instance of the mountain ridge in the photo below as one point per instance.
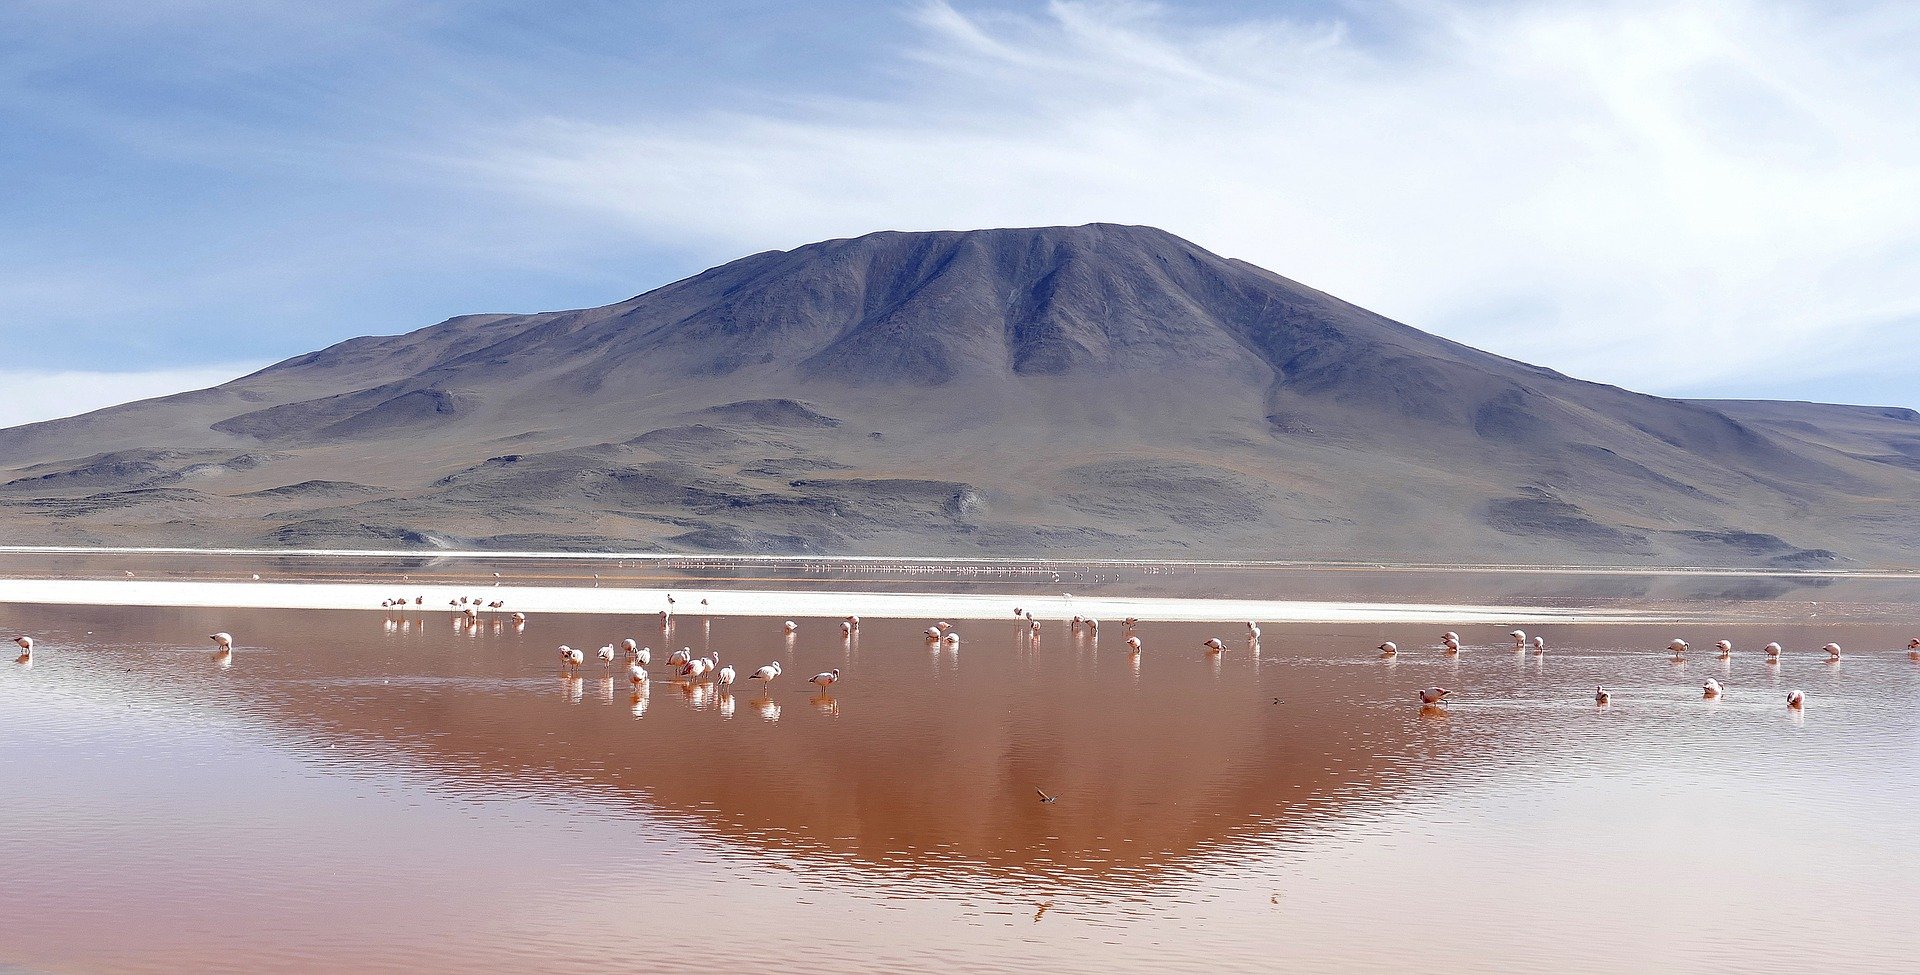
(1101, 389)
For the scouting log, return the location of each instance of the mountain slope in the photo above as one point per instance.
(1097, 390)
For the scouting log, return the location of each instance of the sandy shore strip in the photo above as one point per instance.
(534, 600)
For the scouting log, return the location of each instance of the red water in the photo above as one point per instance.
(356, 794)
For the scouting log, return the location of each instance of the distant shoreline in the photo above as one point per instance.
(535, 600)
(979, 560)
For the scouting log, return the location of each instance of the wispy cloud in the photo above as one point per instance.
(28, 396)
(1698, 196)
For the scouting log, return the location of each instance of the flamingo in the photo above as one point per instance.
(1773, 652)
(636, 674)
(853, 621)
(1093, 626)
(1253, 631)
(1033, 626)
(1519, 639)
(1539, 645)
(1678, 646)
(629, 648)
(1388, 649)
(1710, 689)
(694, 669)
(933, 633)
(223, 641)
(569, 657)
(25, 643)
(606, 654)
(825, 680)
(846, 630)
(1725, 647)
(1451, 641)
(1133, 643)
(1796, 700)
(1214, 645)
(1601, 695)
(520, 618)
(1833, 652)
(725, 677)
(1913, 645)
(767, 673)
(1433, 695)
(680, 657)
(953, 638)
(790, 626)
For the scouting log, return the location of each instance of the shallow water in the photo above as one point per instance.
(355, 793)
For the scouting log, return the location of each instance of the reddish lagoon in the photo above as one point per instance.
(353, 792)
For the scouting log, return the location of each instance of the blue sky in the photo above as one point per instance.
(1703, 197)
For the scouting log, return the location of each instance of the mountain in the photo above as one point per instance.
(1089, 391)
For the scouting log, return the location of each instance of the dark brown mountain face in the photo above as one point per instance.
(1088, 391)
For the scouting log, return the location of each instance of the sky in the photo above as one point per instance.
(1691, 198)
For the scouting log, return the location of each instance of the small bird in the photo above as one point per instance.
(825, 680)
(1725, 647)
(222, 641)
(1388, 649)
(1044, 798)
(1434, 695)
(767, 673)
(1601, 695)
(1679, 647)
(1214, 645)
(1833, 652)
(1710, 689)
(1796, 700)
(1539, 645)
(790, 626)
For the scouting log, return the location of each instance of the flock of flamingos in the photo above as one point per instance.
(687, 667)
